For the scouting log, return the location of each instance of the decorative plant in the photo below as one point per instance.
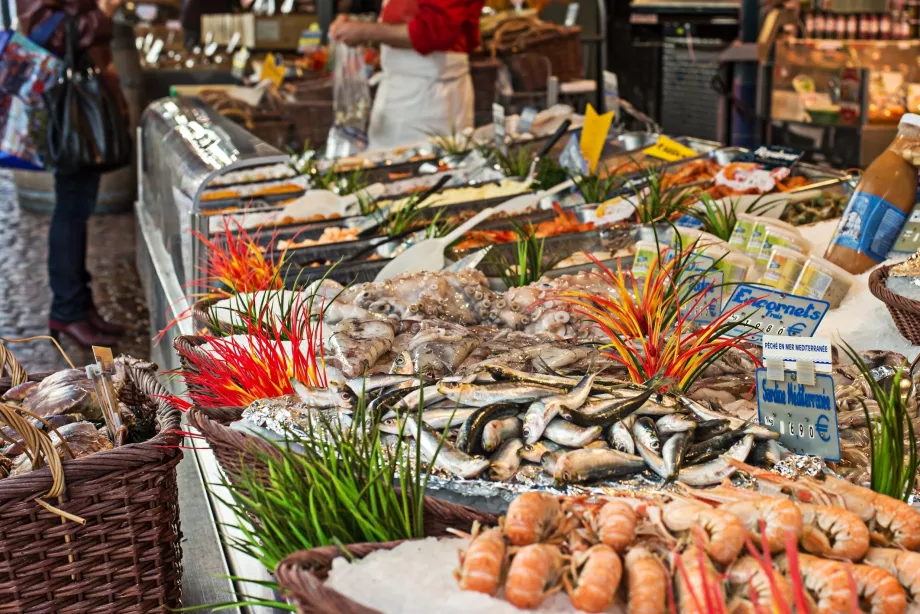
(649, 321)
(658, 200)
(438, 228)
(892, 441)
(513, 162)
(719, 217)
(453, 144)
(597, 187)
(404, 216)
(529, 265)
(548, 174)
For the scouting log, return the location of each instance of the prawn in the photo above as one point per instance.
(647, 582)
(747, 578)
(827, 582)
(593, 588)
(482, 564)
(699, 587)
(833, 532)
(532, 517)
(724, 532)
(615, 524)
(903, 565)
(879, 592)
(533, 575)
(780, 516)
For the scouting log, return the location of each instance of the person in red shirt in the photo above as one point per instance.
(426, 87)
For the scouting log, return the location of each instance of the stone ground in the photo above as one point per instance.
(25, 295)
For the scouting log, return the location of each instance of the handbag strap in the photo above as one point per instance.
(45, 30)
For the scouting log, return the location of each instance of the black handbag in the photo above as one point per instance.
(87, 131)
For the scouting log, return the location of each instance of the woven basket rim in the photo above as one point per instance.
(878, 289)
(163, 444)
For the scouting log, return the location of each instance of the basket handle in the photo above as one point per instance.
(9, 363)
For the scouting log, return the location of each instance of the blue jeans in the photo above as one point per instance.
(67, 274)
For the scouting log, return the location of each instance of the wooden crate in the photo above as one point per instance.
(277, 32)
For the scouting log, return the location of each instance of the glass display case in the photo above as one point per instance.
(841, 100)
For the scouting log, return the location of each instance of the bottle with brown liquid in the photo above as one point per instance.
(878, 208)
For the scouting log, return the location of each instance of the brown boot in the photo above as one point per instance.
(81, 332)
(102, 325)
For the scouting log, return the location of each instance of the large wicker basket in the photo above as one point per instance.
(904, 311)
(301, 574)
(126, 558)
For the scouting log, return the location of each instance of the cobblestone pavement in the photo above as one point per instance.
(25, 295)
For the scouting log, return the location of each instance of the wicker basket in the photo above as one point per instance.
(187, 346)
(561, 45)
(904, 311)
(126, 558)
(301, 574)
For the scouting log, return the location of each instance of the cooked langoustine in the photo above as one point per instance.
(747, 578)
(647, 581)
(615, 524)
(533, 575)
(723, 532)
(827, 582)
(483, 562)
(699, 586)
(833, 532)
(780, 516)
(878, 591)
(593, 578)
(532, 517)
(903, 565)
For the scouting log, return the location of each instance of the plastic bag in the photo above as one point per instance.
(351, 103)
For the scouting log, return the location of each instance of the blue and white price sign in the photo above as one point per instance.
(704, 307)
(804, 416)
(773, 312)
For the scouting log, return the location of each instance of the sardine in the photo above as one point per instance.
(599, 443)
(644, 433)
(705, 451)
(506, 461)
(402, 365)
(620, 436)
(548, 462)
(387, 401)
(470, 438)
(673, 452)
(497, 432)
(410, 402)
(342, 399)
(533, 453)
(504, 372)
(708, 414)
(368, 383)
(566, 434)
(591, 464)
(450, 417)
(480, 395)
(719, 468)
(674, 423)
(768, 452)
(610, 411)
(448, 457)
(541, 412)
(707, 429)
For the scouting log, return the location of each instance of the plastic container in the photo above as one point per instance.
(703, 240)
(780, 237)
(823, 280)
(734, 265)
(646, 253)
(783, 268)
(755, 243)
(741, 235)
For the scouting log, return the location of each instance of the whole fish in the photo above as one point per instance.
(402, 365)
(705, 474)
(644, 433)
(600, 444)
(591, 464)
(707, 429)
(450, 417)
(674, 423)
(410, 402)
(388, 401)
(448, 457)
(480, 395)
(609, 411)
(342, 399)
(497, 432)
(566, 434)
(541, 412)
(709, 414)
(533, 453)
(548, 462)
(705, 451)
(660, 404)
(673, 452)
(766, 453)
(506, 461)
(470, 438)
(368, 383)
(620, 436)
(504, 372)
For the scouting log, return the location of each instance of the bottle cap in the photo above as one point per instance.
(910, 119)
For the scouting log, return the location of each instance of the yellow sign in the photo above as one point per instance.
(271, 71)
(594, 135)
(104, 356)
(669, 150)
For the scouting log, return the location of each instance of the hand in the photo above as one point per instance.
(352, 33)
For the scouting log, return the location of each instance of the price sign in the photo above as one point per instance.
(498, 126)
(594, 135)
(525, 121)
(775, 156)
(669, 150)
(571, 159)
(909, 240)
(773, 312)
(805, 416)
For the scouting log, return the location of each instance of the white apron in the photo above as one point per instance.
(420, 95)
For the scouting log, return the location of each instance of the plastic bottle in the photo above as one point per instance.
(878, 208)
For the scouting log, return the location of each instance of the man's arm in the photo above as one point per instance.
(355, 33)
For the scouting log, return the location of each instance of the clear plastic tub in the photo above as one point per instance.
(783, 268)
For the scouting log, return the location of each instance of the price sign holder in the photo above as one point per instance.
(774, 312)
(498, 126)
(909, 240)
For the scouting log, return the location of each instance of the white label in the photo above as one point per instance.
(498, 125)
(571, 14)
(794, 349)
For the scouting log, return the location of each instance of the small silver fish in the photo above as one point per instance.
(533, 453)
(480, 395)
(448, 457)
(498, 431)
(402, 365)
(644, 433)
(600, 444)
(429, 394)
(706, 474)
(541, 412)
(450, 417)
(366, 383)
(674, 423)
(620, 437)
(592, 464)
(342, 399)
(567, 434)
(673, 452)
(708, 414)
(506, 461)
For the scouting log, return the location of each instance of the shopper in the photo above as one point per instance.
(426, 86)
(72, 310)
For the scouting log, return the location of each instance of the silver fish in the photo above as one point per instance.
(592, 464)
(706, 474)
(548, 462)
(534, 453)
(541, 412)
(450, 417)
(357, 345)
(402, 365)
(708, 414)
(620, 436)
(499, 431)
(366, 383)
(673, 452)
(340, 398)
(448, 457)
(644, 433)
(600, 443)
(440, 350)
(674, 423)
(659, 405)
(506, 460)
(567, 434)
(480, 395)
(429, 394)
